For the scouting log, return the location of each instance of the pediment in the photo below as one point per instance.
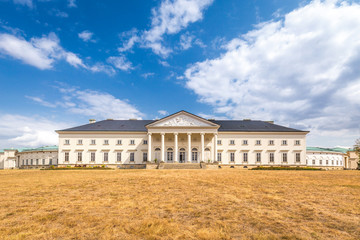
(182, 119)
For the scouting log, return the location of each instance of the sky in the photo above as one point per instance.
(63, 62)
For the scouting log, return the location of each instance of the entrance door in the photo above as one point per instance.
(182, 157)
(207, 155)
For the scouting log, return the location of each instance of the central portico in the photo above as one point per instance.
(184, 137)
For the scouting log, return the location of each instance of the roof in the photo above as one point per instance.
(225, 126)
(336, 150)
(44, 148)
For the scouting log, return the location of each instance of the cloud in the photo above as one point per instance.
(28, 3)
(28, 131)
(129, 39)
(72, 3)
(121, 63)
(169, 18)
(86, 36)
(146, 75)
(59, 13)
(91, 103)
(163, 112)
(301, 70)
(186, 41)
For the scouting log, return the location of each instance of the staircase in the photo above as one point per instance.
(180, 166)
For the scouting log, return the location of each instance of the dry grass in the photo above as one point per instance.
(179, 204)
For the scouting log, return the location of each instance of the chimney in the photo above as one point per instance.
(272, 122)
(92, 121)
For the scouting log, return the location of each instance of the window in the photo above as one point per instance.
(258, 157)
(67, 141)
(232, 142)
(79, 157)
(271, 142)
(297, 157)
(132, 142)
(66, 157)
(132, 157)
(271, 157)
(258, 142)
(106, 156)
(31, 163)
(93, 142)
(145, 157)
(232, 157)
(320, 162)
(92, 157)
(106, 142)
(219, 156)
(245, 142)
(119, 142)
(50, 161)
(313, 162)
(337, 162)
(118, 156)
(37, 162)
(79, 142)
(219, 142)
(245, 156)
(332, 162)
(284, 157)
(327, 162)
(297, 142)
(284, 142)
(169, 154)
(145, 142)
(43, 162)
(194, 156)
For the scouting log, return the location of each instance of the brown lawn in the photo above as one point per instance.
(179, 204)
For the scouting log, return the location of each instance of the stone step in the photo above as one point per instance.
(180, 166)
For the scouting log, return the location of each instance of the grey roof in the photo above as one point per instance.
(225, 126)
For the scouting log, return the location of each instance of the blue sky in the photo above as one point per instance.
(65, 61)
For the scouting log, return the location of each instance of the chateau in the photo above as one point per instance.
(182, 138)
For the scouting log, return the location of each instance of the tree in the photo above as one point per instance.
(357, 150)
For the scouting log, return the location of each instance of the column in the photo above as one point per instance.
(202, 147)
(176, 147)
(149, 148)
(215, 147)
(162, 157)
(189, 147)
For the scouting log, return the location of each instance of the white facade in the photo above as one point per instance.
(181, 138)
(317, 157)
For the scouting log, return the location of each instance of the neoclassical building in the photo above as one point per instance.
(182, 138)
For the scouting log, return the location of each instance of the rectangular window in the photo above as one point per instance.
(258, 142)
(67, 141)
(119, 142)
(79, 142)
(313, 161)
(37, 162)
(66, 157)
(284, 157)
(245, 156)
(31, 162)
(232, 157)
(297, 142)
(284, 142)
(337, 162)
(50, 161)
(79, 157)
(297, 157)
(169, 156)
(245, 142)
(320, 162)
(106, 156)
(258, 157)
(232, 142)
(332, 162)
(118, 156)
(219, 156)
(145, 142)
(271, 142)
(106, 142)
(194, 156)
(93, 142)
(92, 157)
(43, 162)
(145, 157)
(327, 162)
(132, 142)
(218, 142)
(271, 157)
(132, 157)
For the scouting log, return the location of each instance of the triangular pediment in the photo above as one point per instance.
(182, 119)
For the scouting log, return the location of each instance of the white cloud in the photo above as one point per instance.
(302, 69)
(164, 63)
(86, 36)
(120, 62)
(169, 18)
(28, 131)
(149, 74)
(132, 38)
(72, 3)
(41, 101)
(59, 13)
(186, 41)
(28, 3)
(163, 112)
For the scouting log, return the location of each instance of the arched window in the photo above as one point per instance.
(182, 149)
(207, 149)
(169, 149)
(157, 149)
(194, 149)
